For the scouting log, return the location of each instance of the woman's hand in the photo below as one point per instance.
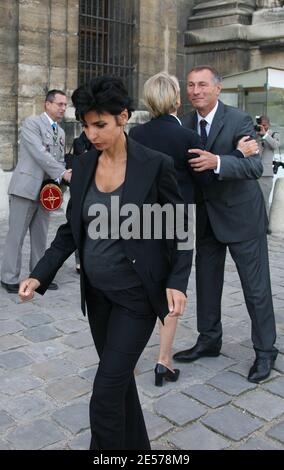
(248, 146)
(27, 288)
(176, 302)
(67, 175)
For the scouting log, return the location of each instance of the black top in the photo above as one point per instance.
(104, 261)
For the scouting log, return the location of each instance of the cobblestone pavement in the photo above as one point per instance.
(47, 365)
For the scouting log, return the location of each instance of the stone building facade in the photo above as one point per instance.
(38, 44)
(39, 48)
(235, 36)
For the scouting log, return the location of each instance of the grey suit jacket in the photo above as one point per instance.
(267, 148)
(233, 202)
(41, 156)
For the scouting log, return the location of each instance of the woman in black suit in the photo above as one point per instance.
(127, 280)
(165, 133)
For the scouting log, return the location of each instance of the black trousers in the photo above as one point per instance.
(121, 323)
(251, 259)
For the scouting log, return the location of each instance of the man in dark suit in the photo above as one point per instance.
(230, 213)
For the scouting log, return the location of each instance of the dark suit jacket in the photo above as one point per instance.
(81, 144)
(166, 135)
(233, 202)
(150, 179)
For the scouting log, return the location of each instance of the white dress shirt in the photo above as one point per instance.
(174, 115)
(50, 120)
(209, 118)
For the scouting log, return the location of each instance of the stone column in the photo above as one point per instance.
(268, 3)
(156, 38)
(276, 219)
(48, 55)
(213, 37)
(33, 56)
(38, 51)
(219, 13)
(8, 82)
(230, 36)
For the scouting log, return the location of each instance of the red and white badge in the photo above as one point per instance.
(51, 197)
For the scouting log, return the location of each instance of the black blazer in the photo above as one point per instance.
(166, 135)
(233, 202)
(81, 144)
(150, 178)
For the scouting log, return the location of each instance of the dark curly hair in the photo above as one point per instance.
(105, 94)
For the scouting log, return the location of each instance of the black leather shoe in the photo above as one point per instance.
(195, 353)
(10, 288)
(260, 369)
(162, 372)
(53, 286)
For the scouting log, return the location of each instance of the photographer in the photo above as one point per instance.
(268, 142)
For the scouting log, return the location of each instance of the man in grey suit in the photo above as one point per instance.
(268, 141)
(41, 156)
(230, 212)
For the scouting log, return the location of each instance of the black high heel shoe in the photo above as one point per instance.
(162, 372)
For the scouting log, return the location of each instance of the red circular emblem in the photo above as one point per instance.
(51, 197)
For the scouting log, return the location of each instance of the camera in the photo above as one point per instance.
(276, 165)
(257, 127)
